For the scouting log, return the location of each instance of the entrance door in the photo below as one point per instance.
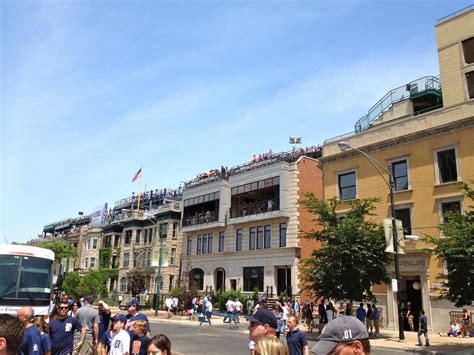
(284, 281)
(233, 284)
(220, 280)
(414, 297)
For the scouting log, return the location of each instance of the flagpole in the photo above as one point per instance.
(140, 189)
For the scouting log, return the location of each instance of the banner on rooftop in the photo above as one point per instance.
(99, 216)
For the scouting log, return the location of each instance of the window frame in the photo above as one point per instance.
(396, 161)
(252, 238)
(436, 164)
(283, 238)
(189, 245)
(410, 211)
(338, 187)
(260, 278)
(267, 236)
(238, 239)
(210, 238)
(221, 242)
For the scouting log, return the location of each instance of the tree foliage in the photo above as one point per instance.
(62, 249)
(137, 281)
(457, 249)
(93, 283)
(352, 256)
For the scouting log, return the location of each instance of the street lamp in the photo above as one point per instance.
(160, 261)
(343, 146)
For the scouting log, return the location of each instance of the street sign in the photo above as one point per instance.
(387, 226)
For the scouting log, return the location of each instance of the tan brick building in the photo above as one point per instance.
(241, 228)
(426, 135)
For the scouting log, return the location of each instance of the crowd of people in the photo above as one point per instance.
(76, 327)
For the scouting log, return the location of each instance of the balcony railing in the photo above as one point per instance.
(255, 208)
(201, 218)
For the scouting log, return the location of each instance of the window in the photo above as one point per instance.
(468, 50)
(209, 243)
(148, 263)
(252, 238)
(92, 264)
(400, 175)
(404, 215)
(88, 244)
(126, 259)
(197, 277)
(135, 259)
(94, 243)
(267, 237)
(137, 236)
(123, 284)
(447, 169)
(199, 240)
(173, 256)
(86, 263)
(282, 235)
(164, 230)
(204, 243)
(451, 206)
(128, 237)
(260, 237)
(253, 277)
(171, 283)
(221, 242)
(116, 241)
(470, 84)
(238, 240)
(175, 230)
(189, 246)
(347, 185)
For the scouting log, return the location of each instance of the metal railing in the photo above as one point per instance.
(255, 208)
(201, 218)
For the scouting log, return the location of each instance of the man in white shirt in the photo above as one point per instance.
(169, 306)
(230, 305)
(120, 343)
(238, 308)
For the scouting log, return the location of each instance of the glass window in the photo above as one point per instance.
(135, 259)
(189, 246)
(148, 259)
(221, 242)
(86, 263)
(171, 282)
(238, 240)
(259, 237)
(204, 244)
(452, 206)
(123, 284)
(253, 277)
(282, 235)
(92, 264)
(173, 256)
(199, 241)
(403, 214)
(209, 243)
(347, 186)
(197, 276)
(267, 237)
(252, 238)
(470, 84)
(175, 230)
(128, 237)
(400, 175)
(468, 50)
(447, 165)
(126, 259)
(94, 243)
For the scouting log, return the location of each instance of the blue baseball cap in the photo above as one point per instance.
(134, 303)
(120, 318)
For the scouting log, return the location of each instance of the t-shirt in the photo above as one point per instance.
(423, 322)
(104, 321)
(139, 345)
(61, 332)
(376, 314)
(360, 314)
(132, 320)
(296, 342)
(88, 316)
(45, 342)
(120, 343)
(31, 342)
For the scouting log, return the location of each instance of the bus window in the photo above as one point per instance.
(9, 265)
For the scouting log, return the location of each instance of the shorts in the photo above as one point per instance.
(370, 322)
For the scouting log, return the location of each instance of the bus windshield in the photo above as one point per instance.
(25, 277)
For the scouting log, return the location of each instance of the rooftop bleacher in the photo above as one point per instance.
(257, 162)
(156, 197)
(125, 215)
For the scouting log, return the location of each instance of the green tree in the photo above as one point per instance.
(137, 281)
(92, 283)
(71, 284)
(62, 249)
(457, 249)
(352, 256)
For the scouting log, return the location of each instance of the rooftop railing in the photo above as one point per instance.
(151, 195)
(255, 208)
(201, 218)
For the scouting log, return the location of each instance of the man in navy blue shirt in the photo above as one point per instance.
(295, 339)
(32, 341)
(134, 315)
(61, 331)
(361, 313)
(104, 316)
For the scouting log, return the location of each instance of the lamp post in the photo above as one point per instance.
(158, 283)
(390, 183)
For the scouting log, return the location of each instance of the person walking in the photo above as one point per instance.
(89, 318)
(32, 340)
(369, 320)
(238, 309)
(169, 306)
(104, 320)
(11, 334)
(44, 330)
(423, 329)
(120, 343)
(230, 306)
(361, 313)
(295, 339)
(376, 318)
(134, 315)
(61, 331)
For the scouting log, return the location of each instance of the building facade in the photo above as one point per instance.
(424, 135)
(242, 227)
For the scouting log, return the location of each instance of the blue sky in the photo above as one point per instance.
(93, 90)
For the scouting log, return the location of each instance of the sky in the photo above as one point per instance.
(90, 91)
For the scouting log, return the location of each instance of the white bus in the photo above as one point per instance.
(25, 278)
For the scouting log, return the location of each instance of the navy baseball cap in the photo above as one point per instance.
(134, 303)
(264, 316)
(89, 299)
(343, 329)
(120, 318)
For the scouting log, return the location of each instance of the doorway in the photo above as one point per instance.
(220, 279)
(412, 301)
(284, 281)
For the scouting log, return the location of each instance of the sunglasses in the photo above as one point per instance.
(66, 307)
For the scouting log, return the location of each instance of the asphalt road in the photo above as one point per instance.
(217, 339)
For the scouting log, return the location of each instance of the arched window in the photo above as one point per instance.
(123, 284)
(197, 277)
